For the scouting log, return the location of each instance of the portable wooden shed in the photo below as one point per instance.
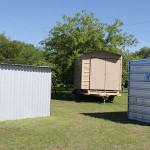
(139, 90)
(25, 91)
(99, 70)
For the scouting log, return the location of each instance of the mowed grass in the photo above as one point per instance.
(78, 126)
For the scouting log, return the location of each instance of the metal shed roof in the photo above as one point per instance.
(139, 60)
(26, 65)
(101, 51)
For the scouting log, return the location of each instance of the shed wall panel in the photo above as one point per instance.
(139, 91)
(137, 76)
(97, 74)
(113, 74)
(140, 84)
(139, 68)
(25, 92)
(139, 101)
(85, 73)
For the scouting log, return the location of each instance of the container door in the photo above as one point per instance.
(97, 73)
(113, 74)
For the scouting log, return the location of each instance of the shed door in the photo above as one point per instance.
(97, 73)
(105, 74)
(113, 74)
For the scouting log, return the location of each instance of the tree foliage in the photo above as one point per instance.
(143, 53)
(83, 33)
(20, 52)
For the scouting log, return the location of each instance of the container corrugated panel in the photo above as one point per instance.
(139, 68)
(25, 92)
(139, 90)
(139, 117)
(140, 84)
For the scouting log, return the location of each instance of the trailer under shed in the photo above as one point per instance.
(25, 91)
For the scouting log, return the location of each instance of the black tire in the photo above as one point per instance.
(79, 97)
(111, 98)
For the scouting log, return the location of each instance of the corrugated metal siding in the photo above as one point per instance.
(24, 92)
(139, 91)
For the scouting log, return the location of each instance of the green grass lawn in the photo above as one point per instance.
(78, 126)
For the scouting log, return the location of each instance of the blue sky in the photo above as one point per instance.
(27, 20)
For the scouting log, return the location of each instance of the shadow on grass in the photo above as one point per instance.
(60, 96)
(118, 117)
(67, 97)
(93, 99)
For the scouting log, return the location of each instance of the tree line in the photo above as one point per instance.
(68, 40)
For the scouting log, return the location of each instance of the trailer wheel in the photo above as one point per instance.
(79, 96)
(111, 98)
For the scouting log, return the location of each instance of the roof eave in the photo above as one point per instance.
(103, 51)
(27, 65)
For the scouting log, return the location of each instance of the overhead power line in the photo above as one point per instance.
(142, 32)
(144, 22)
(144, 41)
(129, 13)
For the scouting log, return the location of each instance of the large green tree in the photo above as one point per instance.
(79, 34)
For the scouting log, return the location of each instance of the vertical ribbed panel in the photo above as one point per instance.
(25, 92)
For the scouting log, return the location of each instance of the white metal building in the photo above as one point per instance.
(25, 91)
(139, 90)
